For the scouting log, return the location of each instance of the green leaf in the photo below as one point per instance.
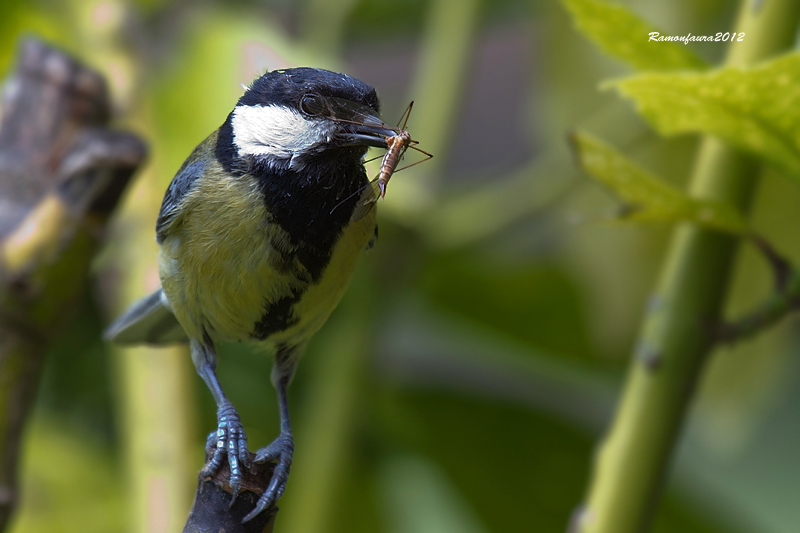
(757, 110)
(647, 198)
(623, 35)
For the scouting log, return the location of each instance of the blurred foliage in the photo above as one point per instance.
(618, 31)
(463, 382)
(752, 109)
(647, 198)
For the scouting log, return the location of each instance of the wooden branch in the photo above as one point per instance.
(212, 509)
(61, 174)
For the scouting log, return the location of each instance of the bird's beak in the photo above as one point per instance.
(361, 125)
(368, 135)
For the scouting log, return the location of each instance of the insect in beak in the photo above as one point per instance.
(396, 147)
(370, 130)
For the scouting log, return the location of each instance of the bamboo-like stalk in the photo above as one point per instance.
(156, 412)
(155, 404)
(674, 340)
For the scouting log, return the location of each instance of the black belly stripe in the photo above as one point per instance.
(315, 260)
(312, 203)
(278, 316)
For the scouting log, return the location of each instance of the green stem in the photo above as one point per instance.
(323, 26)
(785, 300)
(443, 72)
(674, 342)
(778, 306)
(325, 439)
(438, 90)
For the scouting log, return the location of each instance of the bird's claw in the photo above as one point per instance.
(228, 440)
(281, 451)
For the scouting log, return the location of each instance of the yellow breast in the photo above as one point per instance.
(224, 262)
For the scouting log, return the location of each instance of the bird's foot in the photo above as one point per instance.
(228, 440)
(280, 451)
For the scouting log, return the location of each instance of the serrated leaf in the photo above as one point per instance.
(623, 35)
(757, 110)
(647, 198)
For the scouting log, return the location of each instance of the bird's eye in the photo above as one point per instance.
(310, 105)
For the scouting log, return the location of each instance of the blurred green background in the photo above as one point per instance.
(463, 382)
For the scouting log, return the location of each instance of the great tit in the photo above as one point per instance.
(259, 233)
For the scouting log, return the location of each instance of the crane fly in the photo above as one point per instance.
(396, 147)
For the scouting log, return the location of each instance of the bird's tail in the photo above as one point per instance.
(148, 321)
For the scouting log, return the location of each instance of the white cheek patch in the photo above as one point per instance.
(276, 131)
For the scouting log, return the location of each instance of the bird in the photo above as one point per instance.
(259, 233)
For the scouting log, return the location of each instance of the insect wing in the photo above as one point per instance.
(396, 147)
(367, 201)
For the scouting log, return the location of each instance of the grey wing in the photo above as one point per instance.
(147, 321)
(182, 183)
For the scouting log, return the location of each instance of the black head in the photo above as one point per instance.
(288, 87)
(287, 118)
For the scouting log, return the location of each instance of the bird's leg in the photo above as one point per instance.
(282, 448)
(229, 438)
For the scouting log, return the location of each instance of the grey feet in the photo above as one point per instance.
(280, 451)
(229, 440)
